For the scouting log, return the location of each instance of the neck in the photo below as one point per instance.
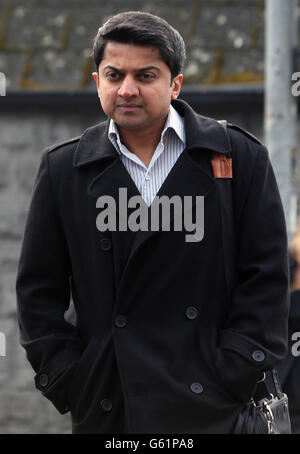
(142, 142)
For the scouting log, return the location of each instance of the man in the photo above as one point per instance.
(173, 331)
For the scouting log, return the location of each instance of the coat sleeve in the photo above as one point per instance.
(43, 295)
(255, 336)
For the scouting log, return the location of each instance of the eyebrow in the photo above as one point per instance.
(144, 68)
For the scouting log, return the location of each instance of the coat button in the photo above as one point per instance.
(120, 321)
(258, 356)
(106, 404)
(191, 312)
(105, 244)
(43, 380)
(197, 388)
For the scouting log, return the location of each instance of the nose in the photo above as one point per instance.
(128, 88)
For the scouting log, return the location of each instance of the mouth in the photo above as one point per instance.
(128, 106)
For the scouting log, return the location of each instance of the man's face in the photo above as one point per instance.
(134, 86)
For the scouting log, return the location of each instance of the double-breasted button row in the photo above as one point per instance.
(120, 320)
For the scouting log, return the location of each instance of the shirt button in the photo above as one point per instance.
(105, 244)
(120, 321)
(191, 312)
(197, 388)
(43, 380)
(258, 356)
(106, 404)
(147, 177)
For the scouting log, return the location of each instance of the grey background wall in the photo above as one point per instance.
(45, 56)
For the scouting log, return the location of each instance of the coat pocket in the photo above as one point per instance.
(237, 375)
(231, 373)
(80, 381)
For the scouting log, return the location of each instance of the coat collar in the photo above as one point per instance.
(201, 132)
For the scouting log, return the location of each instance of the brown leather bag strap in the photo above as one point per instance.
(222, 162)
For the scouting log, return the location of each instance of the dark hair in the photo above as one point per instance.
(136, 27)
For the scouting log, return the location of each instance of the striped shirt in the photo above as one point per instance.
(149, 179)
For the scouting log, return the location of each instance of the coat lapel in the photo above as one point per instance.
(191, 175)
(186, 178)
(95, 146)
(202, 133)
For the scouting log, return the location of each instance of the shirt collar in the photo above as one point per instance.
(174, 121)
(202, 133)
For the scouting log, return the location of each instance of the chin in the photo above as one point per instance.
(129, 124)
(130, 127)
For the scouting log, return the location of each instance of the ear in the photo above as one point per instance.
(176, 86)
(95, 76)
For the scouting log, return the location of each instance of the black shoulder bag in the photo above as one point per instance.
(268, 411)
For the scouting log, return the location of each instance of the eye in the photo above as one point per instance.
(146, 76)
(112, 75)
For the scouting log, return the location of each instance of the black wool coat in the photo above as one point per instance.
(171, 336)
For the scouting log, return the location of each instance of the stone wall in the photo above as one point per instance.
(22, 138)
(46, 44)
